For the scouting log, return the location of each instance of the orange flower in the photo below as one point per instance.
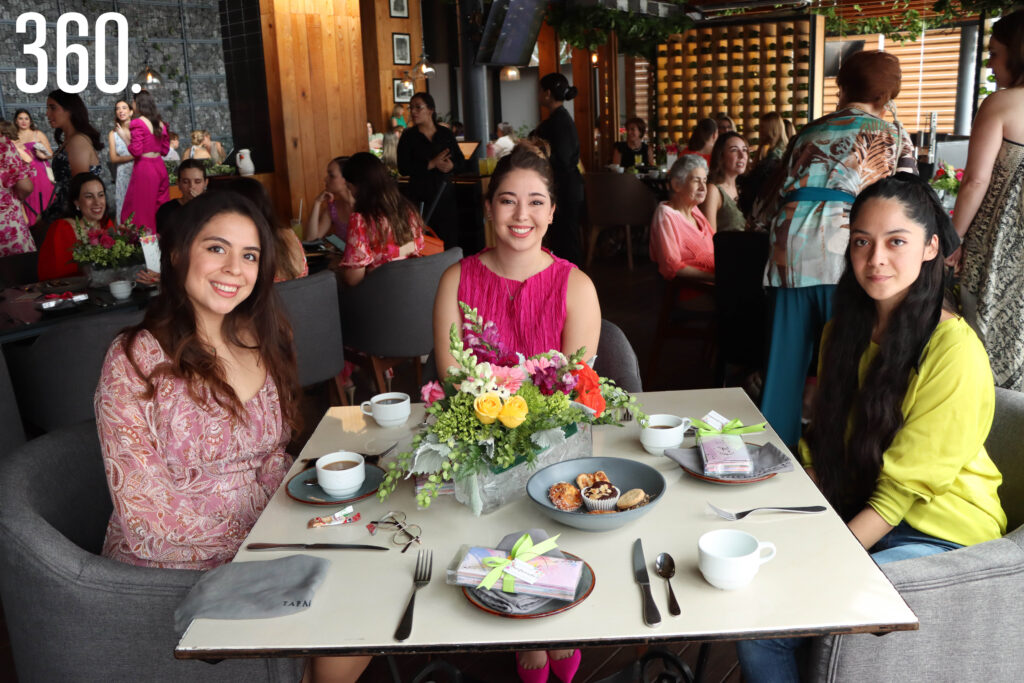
(588, 389)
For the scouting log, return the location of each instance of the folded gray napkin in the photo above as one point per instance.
(515, 603)
(767, 460)
(253, 590)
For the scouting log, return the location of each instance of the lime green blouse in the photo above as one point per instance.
(936, 474)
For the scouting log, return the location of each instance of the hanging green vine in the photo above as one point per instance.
(639, 34)
(905, 24)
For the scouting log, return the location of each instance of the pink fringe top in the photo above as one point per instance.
(186, 480)
(529, 315)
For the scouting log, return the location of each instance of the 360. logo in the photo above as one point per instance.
(65, 50)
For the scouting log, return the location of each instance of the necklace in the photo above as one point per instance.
(504, 282)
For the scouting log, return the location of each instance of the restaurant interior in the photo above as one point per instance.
(285, 89)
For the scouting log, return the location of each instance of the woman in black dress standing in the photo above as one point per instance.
(428, 154)
(559, 131)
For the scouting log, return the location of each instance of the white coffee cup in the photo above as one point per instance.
(339, 483)
(730, 558)
(388, 410)
(663, 431)
(121, 289)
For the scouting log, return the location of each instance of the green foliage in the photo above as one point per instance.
(904, 24)
(111, 248)
(638, 34)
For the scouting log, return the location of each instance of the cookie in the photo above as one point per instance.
(565, 496)
(600, 476)
(633, 498)
(601, 512)
(584, 480)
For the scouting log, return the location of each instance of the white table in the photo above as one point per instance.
(821, 581)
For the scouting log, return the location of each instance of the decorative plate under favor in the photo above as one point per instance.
(583, 589)
(312, 494)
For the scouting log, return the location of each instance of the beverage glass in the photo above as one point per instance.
(729, 558)
(339, 483)
(388, 410)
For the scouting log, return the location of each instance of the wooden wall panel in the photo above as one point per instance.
(379, 67)
(583, 106)
(547, 56)
(314, 67)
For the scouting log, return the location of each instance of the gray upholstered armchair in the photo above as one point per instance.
(970, 602)
(73, 615)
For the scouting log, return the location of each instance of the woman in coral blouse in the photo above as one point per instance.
(383, 225)
(87, 212)
(681, 238)
(196, 404)
(149, 186)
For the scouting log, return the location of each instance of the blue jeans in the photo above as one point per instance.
(773, 660)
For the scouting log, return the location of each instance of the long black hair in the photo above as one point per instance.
(378, 199)
(853, 423)
(558, 86)
(76, 108)
(75, 190)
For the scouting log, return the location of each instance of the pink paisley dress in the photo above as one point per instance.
(187, 481)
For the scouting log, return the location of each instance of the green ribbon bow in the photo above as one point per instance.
(731, 427)
(524, 550)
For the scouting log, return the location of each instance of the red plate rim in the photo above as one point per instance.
(559, 610)
(716, 480)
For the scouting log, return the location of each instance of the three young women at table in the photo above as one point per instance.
(904, 402)
(195, 405)
(537, 301)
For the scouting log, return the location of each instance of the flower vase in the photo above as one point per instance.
(486, 491)
(100, 278)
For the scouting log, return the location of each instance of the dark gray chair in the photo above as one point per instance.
(616, 358)
(73, 615)
(12, 434)
(312, 307)
(55, 375)
(968, 601)
(389, 316)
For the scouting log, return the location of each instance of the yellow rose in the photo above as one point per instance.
(487, 407)
(513, 412)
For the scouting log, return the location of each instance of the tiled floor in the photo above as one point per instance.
(630, 299)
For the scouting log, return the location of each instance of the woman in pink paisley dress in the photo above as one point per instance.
(196, 404)
(15, 185)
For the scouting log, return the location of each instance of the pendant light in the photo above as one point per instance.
(509, 73)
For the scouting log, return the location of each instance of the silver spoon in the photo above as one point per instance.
(666, 568)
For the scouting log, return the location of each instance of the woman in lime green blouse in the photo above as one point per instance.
(904, 402)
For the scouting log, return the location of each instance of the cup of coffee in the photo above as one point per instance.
(121, 289)
(388, 410)
(340, 474)
(730, 558)
(663, 431)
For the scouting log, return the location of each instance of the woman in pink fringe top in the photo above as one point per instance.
(537, 301)
(148, 188)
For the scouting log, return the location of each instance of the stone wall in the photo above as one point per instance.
(156, 37)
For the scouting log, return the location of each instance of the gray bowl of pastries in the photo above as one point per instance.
(624, 474)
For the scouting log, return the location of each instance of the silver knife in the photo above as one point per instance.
(314, 546)
(652, 616)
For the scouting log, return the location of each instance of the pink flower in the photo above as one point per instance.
(431, 392)
(510, 378)
(94, 236)
(959, 174)
(106, 241)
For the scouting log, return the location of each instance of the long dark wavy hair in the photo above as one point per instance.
(377, 197)
(147, 107)
(870, 413)
(171, 317)
(717, 173)
(31, 121)
(79, 117)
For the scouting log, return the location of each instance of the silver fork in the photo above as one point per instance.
(424, 566)
(733, 516)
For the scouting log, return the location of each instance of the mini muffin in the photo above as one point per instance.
(601, 496)
(633, 499)
(584, 480)
(600, 476)
(565, 496)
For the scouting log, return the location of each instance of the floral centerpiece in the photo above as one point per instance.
(496, 410)
(947, 179)
(112, 247)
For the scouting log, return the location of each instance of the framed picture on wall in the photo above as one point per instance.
(403, 90)
(401, 48)
(399, 8)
